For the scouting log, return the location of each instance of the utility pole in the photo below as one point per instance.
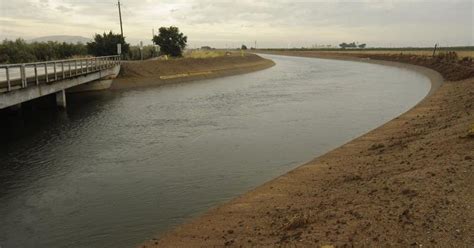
(434, 51)
(120, 16)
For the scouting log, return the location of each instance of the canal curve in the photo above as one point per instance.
(121, 167)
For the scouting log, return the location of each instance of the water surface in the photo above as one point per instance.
(120, 167)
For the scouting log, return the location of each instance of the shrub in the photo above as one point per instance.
(106, 44)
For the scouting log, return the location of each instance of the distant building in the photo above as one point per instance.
(206, 48)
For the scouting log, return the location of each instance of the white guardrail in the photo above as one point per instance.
(18, 76)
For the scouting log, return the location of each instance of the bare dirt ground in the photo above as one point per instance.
(408, 183)
(159, 72)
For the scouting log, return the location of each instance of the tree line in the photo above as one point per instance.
(345, 45)
(20, 51)
(170, 42)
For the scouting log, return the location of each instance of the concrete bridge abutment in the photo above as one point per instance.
(61, 99)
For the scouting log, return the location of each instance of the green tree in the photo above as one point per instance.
(106, 44)
(171, 41)
(244, 47)
(17, 51)
(350, 45)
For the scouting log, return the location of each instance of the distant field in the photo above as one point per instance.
(461, 51)
(200, 54)
(461, 54)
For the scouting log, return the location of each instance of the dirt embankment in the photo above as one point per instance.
(451, 67)
(158, 72)
(408, 183)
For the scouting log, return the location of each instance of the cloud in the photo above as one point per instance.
(63, 8)
(276, 23)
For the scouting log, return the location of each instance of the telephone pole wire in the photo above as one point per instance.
(120, 16)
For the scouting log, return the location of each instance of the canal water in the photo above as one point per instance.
(118, 168)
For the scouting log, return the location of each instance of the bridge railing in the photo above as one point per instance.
(18, 76)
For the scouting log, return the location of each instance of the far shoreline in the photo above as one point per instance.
(435, 77)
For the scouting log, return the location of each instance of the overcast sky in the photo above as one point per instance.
(230, 23)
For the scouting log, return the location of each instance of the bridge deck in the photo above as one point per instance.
(23, 82)
(19, 76)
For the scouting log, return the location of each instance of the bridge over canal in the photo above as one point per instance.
(24, 82)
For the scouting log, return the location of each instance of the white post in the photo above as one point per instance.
(61, 98)
(36, 74)
(46, 72)
(24, 83)
(7, 73)
(55, 74)
(62, 69)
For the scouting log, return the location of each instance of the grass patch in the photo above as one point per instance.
(461, 54)
(467, 51)
(202, 54)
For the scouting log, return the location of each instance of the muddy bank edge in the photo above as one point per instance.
(154, 72)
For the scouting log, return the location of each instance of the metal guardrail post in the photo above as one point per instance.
(7, 73)
(69, 67)
(36, 74)
(75, 67)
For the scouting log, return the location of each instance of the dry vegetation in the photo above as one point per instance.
(161, 71)
(460, 53)
(201, 54)
(449, 63)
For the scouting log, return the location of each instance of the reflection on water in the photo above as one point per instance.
(118, 167)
